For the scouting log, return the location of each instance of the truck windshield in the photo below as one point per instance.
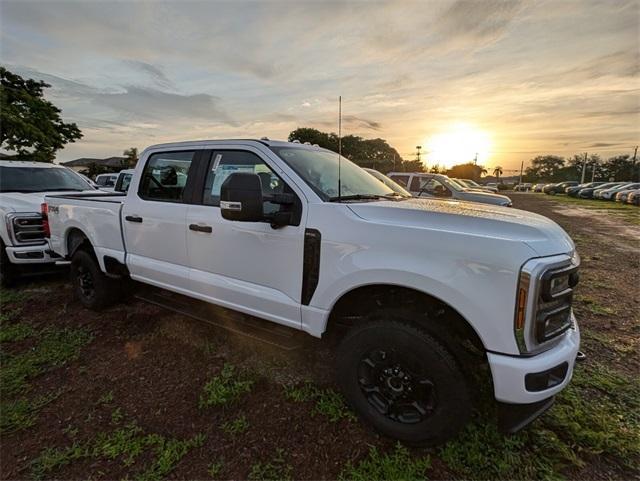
(40, 179)
(452, 184)
(319, 169)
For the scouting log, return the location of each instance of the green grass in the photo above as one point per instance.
(106, 398)
(225, 388)
(608, 342)
(593, 306)
(275, 469)
(236, 426)
(15, 332)
(117, 416)
(168, 453)
(11, 296)
(596, 415)
(54, 348)
(22, 413)
(327, 402)
(215, 468)
(125, 444)
(395, 465)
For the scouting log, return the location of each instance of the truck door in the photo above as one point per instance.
(154, 220)
(246, 266)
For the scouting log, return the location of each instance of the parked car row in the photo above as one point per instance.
(626, 192)
(421, 184)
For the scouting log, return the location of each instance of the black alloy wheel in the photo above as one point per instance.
(396, 387)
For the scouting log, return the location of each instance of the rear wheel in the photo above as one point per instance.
(91, 286)
(403, 382)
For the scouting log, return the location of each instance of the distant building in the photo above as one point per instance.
(84, 162)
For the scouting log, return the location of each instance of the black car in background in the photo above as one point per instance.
(573, 191)
(588, 192)
(553, 189)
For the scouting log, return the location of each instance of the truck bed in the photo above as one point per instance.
(95, 215)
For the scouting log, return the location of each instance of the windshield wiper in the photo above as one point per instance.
(394, 196)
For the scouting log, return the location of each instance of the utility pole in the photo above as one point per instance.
(584, 168)
(521, 168)
(475, 159)
(633, 166)
(418, 147)
(593, 172)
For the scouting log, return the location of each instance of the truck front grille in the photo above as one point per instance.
(26, 228)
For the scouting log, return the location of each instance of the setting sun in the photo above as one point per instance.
(457, 145)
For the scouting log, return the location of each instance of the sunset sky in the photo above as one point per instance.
(509, 80)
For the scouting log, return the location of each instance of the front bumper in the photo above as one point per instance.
(512, 385)
(35, 254)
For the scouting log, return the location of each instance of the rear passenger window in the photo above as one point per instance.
(165, 176)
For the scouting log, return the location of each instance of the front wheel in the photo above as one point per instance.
(92, 288)
(403, 382)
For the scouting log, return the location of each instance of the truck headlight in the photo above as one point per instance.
(558, 283)
(552, 322)
(543, 303)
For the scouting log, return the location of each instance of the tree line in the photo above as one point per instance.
(373, 153)
(554, 168)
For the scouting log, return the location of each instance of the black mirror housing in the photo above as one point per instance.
(241, 198)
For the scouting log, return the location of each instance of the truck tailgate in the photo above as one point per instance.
(96, 216)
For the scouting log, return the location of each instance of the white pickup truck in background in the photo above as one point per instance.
(23, 185)
(427, 288)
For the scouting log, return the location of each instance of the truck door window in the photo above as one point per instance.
(403, 180)
(433, 187)
(165, 176)
(224, 163)
(427, 185)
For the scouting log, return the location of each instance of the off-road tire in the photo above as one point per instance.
(90, 285)
(446, 415)
(8, 271)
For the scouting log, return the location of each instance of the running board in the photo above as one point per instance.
(232, 321)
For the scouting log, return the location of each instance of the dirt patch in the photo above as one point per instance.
(603, 222)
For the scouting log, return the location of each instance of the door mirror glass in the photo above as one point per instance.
(241, 197)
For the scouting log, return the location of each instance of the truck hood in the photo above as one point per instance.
(26, 202)
(541, 234)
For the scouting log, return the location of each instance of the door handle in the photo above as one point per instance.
(133, 218)
(201, 228)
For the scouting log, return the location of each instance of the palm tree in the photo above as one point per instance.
(497, 171)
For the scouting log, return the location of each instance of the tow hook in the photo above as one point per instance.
(581, 356)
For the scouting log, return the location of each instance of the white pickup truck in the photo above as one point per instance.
(23, 185)
(282, 232)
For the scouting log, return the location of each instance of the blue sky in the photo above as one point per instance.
(523, 77)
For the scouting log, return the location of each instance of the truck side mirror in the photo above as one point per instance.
(241, 198)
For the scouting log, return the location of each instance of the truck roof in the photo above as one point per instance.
(28, 163)
(263, 141)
